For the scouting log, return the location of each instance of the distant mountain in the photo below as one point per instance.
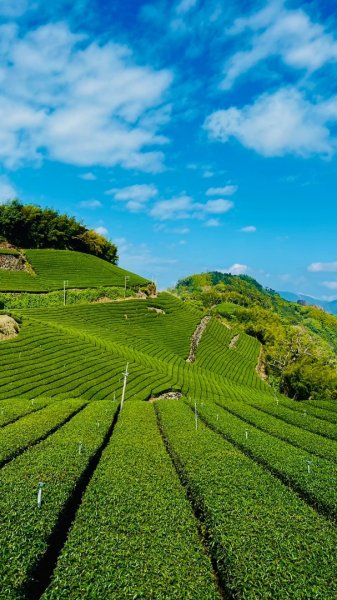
(330, 307)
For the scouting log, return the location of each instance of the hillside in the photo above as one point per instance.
(177, 488)
(299, 343)
(46, 270)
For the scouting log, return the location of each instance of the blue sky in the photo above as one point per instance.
(196, 136)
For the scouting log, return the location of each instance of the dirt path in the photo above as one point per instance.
(196, 337)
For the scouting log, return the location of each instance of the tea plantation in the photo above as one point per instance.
(50, 268)
(221, 489)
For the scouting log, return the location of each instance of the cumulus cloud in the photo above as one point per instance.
(268, 124)
(236, 269)
(321, 267)
(135, 196)
(248, 229)
(7, 190)
(227, 190)
(184, 207)
(276, 31)
(78, 102)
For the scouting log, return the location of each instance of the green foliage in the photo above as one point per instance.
(29, 226)
(30, 300)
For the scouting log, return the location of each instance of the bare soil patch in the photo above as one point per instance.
(9, 328)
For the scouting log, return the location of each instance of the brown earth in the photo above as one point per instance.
(9, 328)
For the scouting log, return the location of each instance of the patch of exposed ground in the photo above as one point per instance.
(159, 311)
(9, 328)
(261, 366)
(170, 395)
(196, 337)
(234, 341)
(10, 262)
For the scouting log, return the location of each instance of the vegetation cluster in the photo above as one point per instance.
(299, 342)
(29, 226)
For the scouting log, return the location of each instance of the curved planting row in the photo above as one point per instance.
(266, 541)
(134, 529)
(58, 463)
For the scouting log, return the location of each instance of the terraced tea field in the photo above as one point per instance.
(228, 491)
(50, 268)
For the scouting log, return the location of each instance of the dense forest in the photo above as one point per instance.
(30, 226)
(299, 342)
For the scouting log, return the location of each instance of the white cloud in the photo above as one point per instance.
(331, 285)
(135, 196)
(319, 267)
(102, 231)
(248, 229)
(91, 203)
(236, 269)
(185, 6)
(140, 259)
(7, 190)
(88, 176)
(184, 207)
(227, 190)
(276, 31)
(212, 223)
(13, 8)
(268, 125)
(218, 207)
(78, 102)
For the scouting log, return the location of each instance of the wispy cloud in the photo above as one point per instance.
(90, 203)
(102, 231)
(331, 285)
(78, 101)
(7, 190)
(248, 229)
(212, 223)
(227, 190)
(88, 176)
(288, 34)
(323, 267)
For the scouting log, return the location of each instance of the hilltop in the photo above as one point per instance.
(299, 343)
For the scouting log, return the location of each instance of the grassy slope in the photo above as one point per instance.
(52, 267)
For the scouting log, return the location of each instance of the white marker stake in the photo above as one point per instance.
(80, 446)
(39, 494)
(196, 415)
(114, 396)
(126, 375)
(246, 434)
(309, 463)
